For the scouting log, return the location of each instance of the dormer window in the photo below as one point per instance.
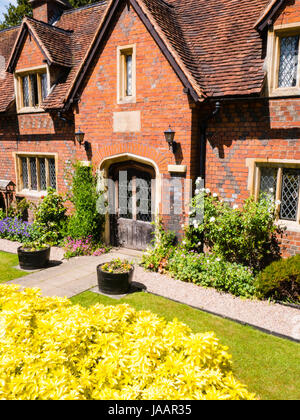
(31, 89)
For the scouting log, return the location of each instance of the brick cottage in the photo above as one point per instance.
(221, 78)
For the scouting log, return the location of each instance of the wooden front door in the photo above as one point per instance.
(133, 198)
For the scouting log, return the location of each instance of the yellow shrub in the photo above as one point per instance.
(51, 349)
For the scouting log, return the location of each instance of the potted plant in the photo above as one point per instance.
(33, 255)
(115, 276)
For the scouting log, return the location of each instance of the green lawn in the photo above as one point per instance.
(269, 365)
(7, 264)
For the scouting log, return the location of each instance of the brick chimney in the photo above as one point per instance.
(48, 10)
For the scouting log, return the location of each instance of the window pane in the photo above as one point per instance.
(33, 174)
(24, 172)
(44, 85)
(288, 61)
(43, 183)
(34, 90)
(268, 178)
(128, 59)
(290, 194)
(143, 198)
(25, 87)
(52, 173)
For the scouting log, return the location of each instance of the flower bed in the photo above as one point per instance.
(50, 349)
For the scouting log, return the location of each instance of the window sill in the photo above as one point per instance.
(127, 100)
(291, 91)
(30, 110)
(32, 193)
(290, 225)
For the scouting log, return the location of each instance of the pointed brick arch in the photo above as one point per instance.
(161, 158)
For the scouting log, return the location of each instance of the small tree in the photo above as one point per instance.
(86, 220)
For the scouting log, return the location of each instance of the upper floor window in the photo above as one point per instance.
(283, 59)
(288, 61)
(126, 74)
(31, 89)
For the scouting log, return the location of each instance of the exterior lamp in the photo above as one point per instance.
(79, 136)
(169, 136)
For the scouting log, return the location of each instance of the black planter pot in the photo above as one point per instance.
(31, 260)
(114, 283)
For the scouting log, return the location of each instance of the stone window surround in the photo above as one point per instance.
(18, 87)
(121, 86)
(18, 170)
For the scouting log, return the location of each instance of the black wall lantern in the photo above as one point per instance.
(169, 136)
(79, 136)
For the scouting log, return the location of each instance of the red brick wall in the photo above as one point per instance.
(31, 55)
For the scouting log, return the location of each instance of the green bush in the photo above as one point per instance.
(281, 280)
(245, 235)
(86, 220)
(212, 271)
(50, 216)
(156, 258)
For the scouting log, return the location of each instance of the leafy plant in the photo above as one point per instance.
(212, 271)
(83, 246)
(281, 280)
(117, 266)
(34, 246)
(50, 215)
(156, 258)
(245, 235)
(86, 220)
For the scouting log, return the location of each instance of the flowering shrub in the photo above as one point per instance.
(50, 349)
(16, 230)
(84, 246)
(212, 271)
(245, 235)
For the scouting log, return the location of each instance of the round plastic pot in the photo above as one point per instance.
(114, 283)
(31, 260)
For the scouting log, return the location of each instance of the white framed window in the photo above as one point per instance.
(281, 181)
(126, 74)
(35, 173)
(32, 87)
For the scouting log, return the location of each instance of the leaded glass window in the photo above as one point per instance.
(33, 174)
(52, 173)
(25, 89)
(37, 172)
(24, 172)
(34, 88)
(282, 184)
(42, 167)
(290, 194)
(268, 181)
(128, 59)
(288, 62)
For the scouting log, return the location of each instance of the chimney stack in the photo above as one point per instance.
(48, 10)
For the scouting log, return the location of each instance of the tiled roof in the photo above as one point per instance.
(213, 42)
(7, 40)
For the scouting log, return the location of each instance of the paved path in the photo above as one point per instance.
(78, 274)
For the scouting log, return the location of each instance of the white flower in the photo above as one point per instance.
(183, 242)
(212, 219)
(218, 259)
(199, 243)
(215, 195)
(235, 206)
(277, 202)
(207, 190)
(182, 226)
(196, 225)
(197, 191)
(271, 190)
